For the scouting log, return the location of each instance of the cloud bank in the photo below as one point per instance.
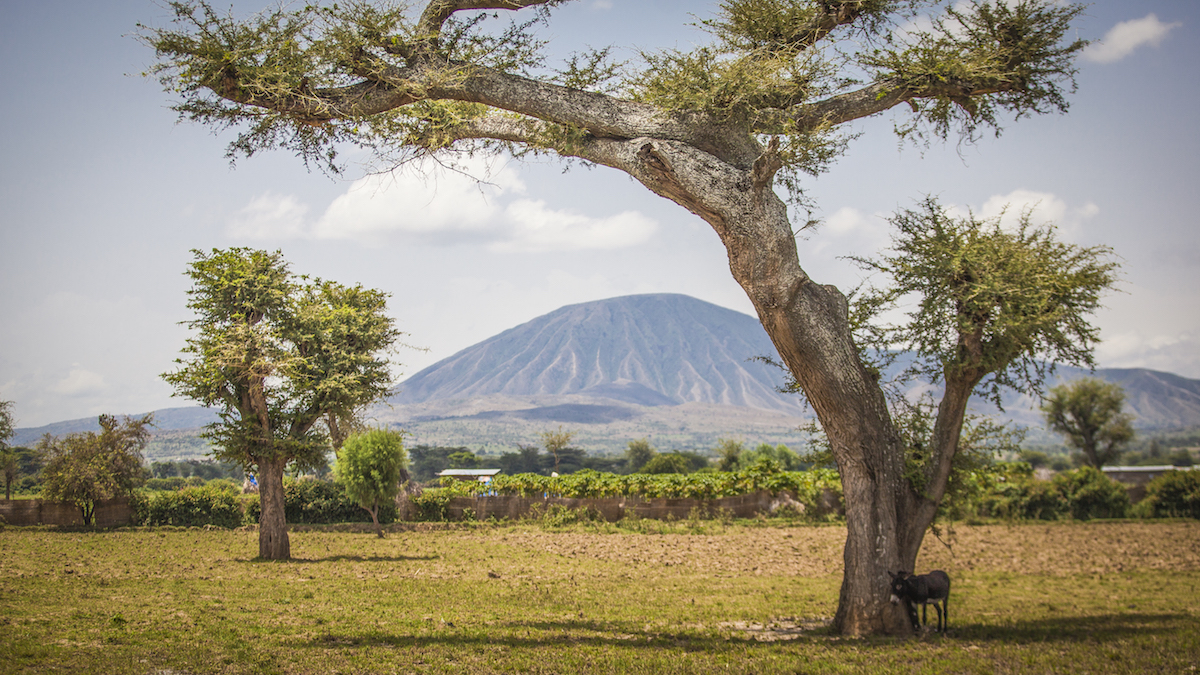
(1125, 38)
(479, 203)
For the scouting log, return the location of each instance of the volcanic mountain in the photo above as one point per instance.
(648, 350)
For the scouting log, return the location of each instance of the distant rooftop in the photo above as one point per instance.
(481, 475)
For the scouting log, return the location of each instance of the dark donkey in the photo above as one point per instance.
(923, 589)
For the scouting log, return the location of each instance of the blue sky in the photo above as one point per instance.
(105, 194)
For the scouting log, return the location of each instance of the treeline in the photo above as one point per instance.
(427, 461)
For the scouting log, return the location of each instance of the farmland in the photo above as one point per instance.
(643, 596)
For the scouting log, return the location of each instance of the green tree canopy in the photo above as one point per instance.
(275, 354)
(1088, 413)
(987, 308)
(369, 467)
(85, 468)
(638, 453)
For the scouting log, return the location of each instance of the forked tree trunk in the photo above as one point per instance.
(375, 519)
(273, 541)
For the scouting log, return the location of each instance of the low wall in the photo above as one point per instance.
(613, 509)
(109, 513)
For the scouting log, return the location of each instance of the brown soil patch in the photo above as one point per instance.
(1055, 549)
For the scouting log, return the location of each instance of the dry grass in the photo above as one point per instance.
(1098, 597)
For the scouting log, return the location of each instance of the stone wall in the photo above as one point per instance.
(109, 513)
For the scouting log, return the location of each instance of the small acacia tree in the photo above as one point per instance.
(555, 442)
(988, 308)
(369, 467)
(1088, 412)
(85, 468)
(276, 354)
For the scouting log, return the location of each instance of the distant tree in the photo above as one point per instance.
(85, 468)
(463, 459)
(276, 354)
(9, 462)
(10, 465)
(667, 462)
(729, 454)
(427, 461)
(638, 454)
(527, 459)
(555, 442)
(781, 455)
(369, 468)
(1088, 413)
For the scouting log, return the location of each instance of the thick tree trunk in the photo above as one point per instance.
(808, 324)
(273, 541)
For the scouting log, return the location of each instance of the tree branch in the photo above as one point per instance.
(437, 12)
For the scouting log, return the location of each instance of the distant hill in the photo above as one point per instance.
(665, 366)
(647, 350)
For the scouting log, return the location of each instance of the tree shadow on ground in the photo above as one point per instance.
(522, 634)
(345, 558)
(1097, 628)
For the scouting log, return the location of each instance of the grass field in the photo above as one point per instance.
(643, 598)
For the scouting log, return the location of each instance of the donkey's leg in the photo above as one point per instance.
(938, 608)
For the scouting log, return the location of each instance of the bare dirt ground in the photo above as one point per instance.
(1053, 549)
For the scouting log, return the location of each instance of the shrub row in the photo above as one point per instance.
(220, 504)
(806, 485)
(1003, 491)
(1009, 491)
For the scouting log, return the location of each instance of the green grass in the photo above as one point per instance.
(649, 598)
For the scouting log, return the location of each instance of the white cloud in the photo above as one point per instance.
(270, 216)
(602, 4)
(79, 382)
(1125, 37)
(1178, 353)
(428, 200)
(1044, 207)
(477, 203)
(532, 226)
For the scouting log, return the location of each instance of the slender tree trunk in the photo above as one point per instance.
(375, 519)
(273, 541)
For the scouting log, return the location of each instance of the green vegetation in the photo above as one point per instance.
(275, 354)
(738, 598)
(84, 468)
(706, 485)
(369, 467)
(1088, 413)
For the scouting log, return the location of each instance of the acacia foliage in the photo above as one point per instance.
(985, 302)
(401, 82)
(273, 353)
(84, 468)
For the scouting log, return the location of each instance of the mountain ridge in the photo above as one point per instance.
(632, 365)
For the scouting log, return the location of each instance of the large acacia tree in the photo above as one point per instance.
(727, 131)
(276, 354)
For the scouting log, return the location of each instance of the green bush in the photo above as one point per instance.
(431, 505)
(1175, 494)
(189, 507)
(308, 501)
(1091, 494)
(1012, 493)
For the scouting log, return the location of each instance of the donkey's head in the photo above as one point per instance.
(899, 586)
